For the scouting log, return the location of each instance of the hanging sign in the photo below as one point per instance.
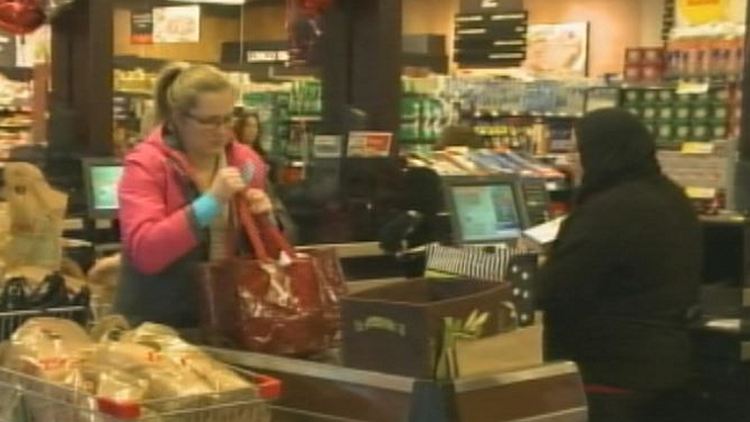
(698, 12)
(177, 24)
(141, 26)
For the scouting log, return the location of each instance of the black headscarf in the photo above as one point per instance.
(615, 147)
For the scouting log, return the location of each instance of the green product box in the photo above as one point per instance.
(650, 96)
(635, 111)
(720, 112)
(719, 132)
(632, 95)
(684, 99)
(664, 131)
(704, 97)
(682, 131)
(666, 95)
(667, 143)
(666, 112)
(649, 113)
(682, 112)
(720, 95)
(700, 132)
(701, 112)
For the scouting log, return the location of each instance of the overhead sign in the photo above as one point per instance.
(698, 12)
(267, 56)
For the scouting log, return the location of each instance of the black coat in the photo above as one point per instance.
(621, 279)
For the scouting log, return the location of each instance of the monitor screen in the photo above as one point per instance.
(101, 177)
(486, 213)
(104, 180)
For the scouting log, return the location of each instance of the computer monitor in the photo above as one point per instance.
(101, 177)
(485, 209)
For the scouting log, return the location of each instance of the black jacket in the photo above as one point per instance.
(625, 269)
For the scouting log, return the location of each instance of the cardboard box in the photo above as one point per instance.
(397, 328)
(522, 348)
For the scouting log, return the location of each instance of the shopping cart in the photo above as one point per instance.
(11, 320)
(28, 399)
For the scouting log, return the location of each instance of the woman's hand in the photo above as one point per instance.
(258, 201)
(227, 182)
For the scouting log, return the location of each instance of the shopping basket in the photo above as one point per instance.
(28, 399)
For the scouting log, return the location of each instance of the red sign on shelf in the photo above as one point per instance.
(369, 144)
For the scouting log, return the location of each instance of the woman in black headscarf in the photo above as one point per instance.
(623, 274)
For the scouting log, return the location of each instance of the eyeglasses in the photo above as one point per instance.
(212, 121)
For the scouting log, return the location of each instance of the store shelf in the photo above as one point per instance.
(557, 185)
(15, 109)
(522, 114)
(146, 94)
(17, 73)
(305, 119)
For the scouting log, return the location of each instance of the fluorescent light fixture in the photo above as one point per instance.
(229, 2)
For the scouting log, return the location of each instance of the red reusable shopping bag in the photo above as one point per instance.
(286, 304)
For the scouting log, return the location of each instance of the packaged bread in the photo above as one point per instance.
(191, 358)
(165, 378)
(47, 348)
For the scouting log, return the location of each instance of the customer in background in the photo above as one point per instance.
(623, 274)
(248, 131)
(459, 136)
(175, 192)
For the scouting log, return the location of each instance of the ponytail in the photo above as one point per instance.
(162, 95)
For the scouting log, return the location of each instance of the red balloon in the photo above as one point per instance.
(21, 16)
(316, 6)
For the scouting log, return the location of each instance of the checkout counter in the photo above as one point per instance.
(348, 217)
(482, 210)
(325, 391)
(722, 334)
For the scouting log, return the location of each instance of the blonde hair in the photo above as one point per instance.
(179, 85)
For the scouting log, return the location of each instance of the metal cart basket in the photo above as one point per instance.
(11, 320)
(28, 399)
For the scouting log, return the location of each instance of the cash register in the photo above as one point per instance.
(491, 209)
(466, 210)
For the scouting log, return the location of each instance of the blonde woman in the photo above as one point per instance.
(175, 191)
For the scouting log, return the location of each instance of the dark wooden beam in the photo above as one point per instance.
(335, 66)
(82, 80)
(361, 64)
(744, 142)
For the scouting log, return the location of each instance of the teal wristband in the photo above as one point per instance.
(205, 209)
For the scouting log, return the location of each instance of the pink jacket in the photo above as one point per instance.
(156, 221)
